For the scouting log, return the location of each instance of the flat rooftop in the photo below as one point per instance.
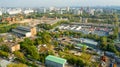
(4, 63)
(56, 59)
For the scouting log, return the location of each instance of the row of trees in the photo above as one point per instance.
(17, 65)
(48, 26)
(7, 28)
(108, 18)
(4, 54)
(20, 56)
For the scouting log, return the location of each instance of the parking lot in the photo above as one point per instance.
(100, 31)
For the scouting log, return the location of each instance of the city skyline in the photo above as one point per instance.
(58, 3)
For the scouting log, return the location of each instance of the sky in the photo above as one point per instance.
(58, 3)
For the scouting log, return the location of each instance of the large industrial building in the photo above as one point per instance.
(89, 42)
(23, 31)
(53, 61)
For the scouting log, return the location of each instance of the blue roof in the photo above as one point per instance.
(19, 31)
(24, 28)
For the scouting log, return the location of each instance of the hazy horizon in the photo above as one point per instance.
(58, 3)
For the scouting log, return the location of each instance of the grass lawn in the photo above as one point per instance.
(86, 56)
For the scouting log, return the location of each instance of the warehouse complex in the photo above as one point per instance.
(23, 31)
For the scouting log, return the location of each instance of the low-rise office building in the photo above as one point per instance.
(14, 47)
(53, 61)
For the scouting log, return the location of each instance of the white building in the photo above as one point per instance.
(14, 11)
(60, 12)
(91, 11)
(42, 10)
(68, 9)
(0, 13)
(78, 12)
(52, 8)
(28, 11)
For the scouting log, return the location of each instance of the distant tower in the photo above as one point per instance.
(44, 10)
(68, 9)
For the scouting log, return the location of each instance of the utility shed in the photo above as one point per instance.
(53, 61)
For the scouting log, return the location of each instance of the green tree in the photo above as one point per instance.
(1, 39)
(19, 55)
(111, 48)
(84, 48)
(33, 52)
(116, 30)
(5, 48)
(103, 43)
(4, 54)
(28, 46)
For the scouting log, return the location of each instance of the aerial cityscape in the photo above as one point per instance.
(59, 33)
